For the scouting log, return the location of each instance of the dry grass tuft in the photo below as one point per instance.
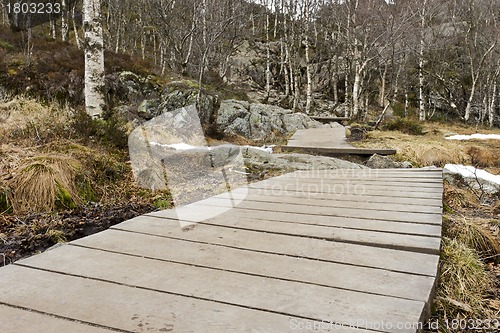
(482, 157)
(471, 233)
(458, 198)
(434, 154)
(496, 208)
(464, 282)
(23, 118)
(43, 183)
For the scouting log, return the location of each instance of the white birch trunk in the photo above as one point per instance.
(309, 91)
(381, 101)
(406, 103)
(346, 89)
(475, 77)
(94, 57)
(75, 29)
(52, 24)
(356, 91)
(296, 90)
(468, 108)
(491, 109)
(268, 59)
(64, 21)
(335, 81)
(421, 102)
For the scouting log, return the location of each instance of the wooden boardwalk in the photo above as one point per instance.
(331, 119)
(329, 142)
(308, 251)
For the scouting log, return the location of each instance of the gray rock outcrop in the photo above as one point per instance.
(259, 121)
(258, 158)
(383, 162)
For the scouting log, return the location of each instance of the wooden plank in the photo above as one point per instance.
(345, 190)
(348, 197)
(336, 222)
(369, 280)
(422, 174)
(375, 185)
(384, 215)
(294, 299)
(407, 182)
(328, 141)
(17, 320)
(332, 151)
(330, 119)
(255, 196)
(344, 253)
(393, 179)
(131, 309)
(405, 242)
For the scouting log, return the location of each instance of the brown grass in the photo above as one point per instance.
(482, 157)
(433, 149)
(474, 234)
(464, 282)
(459, 198)
(43, 182)
(25, 118)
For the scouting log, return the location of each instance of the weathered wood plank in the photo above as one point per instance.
(347, 190)
(263, 197)
(409, 182)
(294, 299)
(327, 221)
(411, 172)
(350, 277)
(330, 119)
(392, 181)
(129, 308)
(346, 197)
(417, 243)
(358, 185)
(328, 141)
(15, 320)
(345, 253)
(426, 218)
(332, 151)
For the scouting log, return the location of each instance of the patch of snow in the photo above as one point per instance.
(468, 171)
(267, 149)
(176, 146)
(474, 136)
(185, 146)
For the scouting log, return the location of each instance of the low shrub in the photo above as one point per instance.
(405, 125)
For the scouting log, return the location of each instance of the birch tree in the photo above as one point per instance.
(64, 21)
(94, 57)
(479, 45)
(421, 50)
(307, 13)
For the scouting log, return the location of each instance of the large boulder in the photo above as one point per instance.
(138, 99)
(256, 158)
(257, 121)
(128, 87)
(383, 162)
(181, 94)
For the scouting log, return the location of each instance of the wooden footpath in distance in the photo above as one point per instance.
(331, 119)
(328, 142)
(310, 249)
